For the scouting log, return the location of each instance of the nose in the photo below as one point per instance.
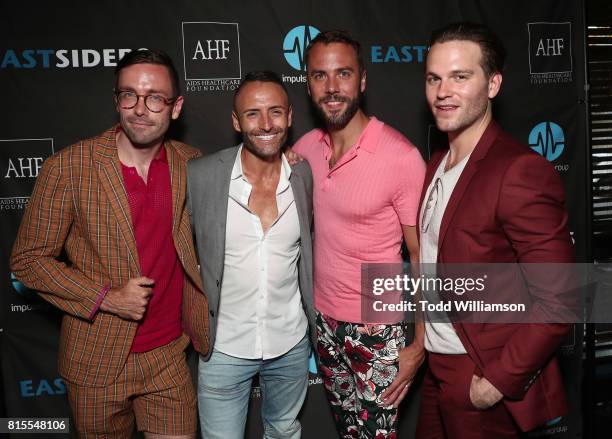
(140, 107)
(265, 123)
(331, 85)
(444, 89)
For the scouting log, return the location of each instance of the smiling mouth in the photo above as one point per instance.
(446, 108)
(333, 101)
(265, 137)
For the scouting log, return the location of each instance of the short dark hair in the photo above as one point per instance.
(493, 51)
(261, 76)
(337, 36)
(149, 56)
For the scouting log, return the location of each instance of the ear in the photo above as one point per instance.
(362, 84)
(494, 84)
(177, 107)
(289, 116)
(236, 122)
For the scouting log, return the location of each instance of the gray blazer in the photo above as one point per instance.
(208, 182)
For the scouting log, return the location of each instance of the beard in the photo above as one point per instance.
(265, 151)
(337, 121)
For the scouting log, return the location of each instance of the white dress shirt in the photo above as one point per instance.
(260, 309)
(440, 337)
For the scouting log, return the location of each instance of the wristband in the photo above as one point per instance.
(99, 301)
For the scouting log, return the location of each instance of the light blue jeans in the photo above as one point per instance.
(224, 388)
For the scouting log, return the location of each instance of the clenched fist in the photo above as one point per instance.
(130, 300)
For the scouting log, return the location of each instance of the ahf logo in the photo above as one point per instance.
(211, 51)
(548, 140)
(20, 163)
(550, 52)
(550, 47)
(295, 44)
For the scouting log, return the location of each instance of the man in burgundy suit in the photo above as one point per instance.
(487, 199)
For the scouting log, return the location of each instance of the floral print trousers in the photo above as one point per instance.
(358, 362)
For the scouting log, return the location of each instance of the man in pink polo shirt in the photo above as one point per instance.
(367, 181)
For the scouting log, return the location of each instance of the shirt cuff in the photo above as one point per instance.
(101, 297)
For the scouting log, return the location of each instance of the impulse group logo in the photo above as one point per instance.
(313, 371)
(294, 48)
(211, 56)
(28, 298)
(18, 286)
(295, 44)
(548, 140)
(550, 52)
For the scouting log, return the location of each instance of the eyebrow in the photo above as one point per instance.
(275, 107)
(469, 72)
(149, 92)
(339, 69)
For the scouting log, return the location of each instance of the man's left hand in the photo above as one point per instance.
(410, 359)
(483, 394)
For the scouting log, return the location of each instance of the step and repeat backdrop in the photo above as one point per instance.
(56, 79)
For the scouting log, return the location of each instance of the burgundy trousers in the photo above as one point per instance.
(446, 410)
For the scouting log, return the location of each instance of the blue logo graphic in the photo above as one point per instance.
(295, 44)
(18, 286)
(312, 364)
(25, 293)
(554, 421)
(548, 140)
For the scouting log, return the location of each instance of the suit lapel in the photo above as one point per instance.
(479, 153)
(299, 195)
(429, 173)
(176, 165)
(108, 168)
(181, 228)
(221, 199)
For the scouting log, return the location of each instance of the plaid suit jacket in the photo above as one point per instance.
(76, 237)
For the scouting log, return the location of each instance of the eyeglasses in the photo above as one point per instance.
(430, 205)
(154, 103)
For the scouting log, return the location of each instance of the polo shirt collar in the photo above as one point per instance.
(368, 140)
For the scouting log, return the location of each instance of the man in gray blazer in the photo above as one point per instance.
(251, 214)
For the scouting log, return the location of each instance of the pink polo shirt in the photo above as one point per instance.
(359, 207)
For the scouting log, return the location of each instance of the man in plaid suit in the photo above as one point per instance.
(106, 238)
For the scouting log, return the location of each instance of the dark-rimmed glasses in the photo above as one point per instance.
(154, 103)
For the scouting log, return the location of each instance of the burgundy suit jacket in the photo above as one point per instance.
(508, 207)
